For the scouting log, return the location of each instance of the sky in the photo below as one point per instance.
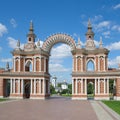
(60, 16)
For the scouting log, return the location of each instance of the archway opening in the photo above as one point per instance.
(60, 68)
(90, 89)
(28, 66)
(26, 89)
(90, 66)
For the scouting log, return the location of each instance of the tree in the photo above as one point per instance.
(52, 90)
(90, 88)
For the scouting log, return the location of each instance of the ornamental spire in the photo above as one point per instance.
(90, 33)
(31, 36)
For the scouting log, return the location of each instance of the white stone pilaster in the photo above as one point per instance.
(31, 86)
(104, 86)
(72, 86)
(76, 63)
(11, 86)
(76, 86)
(44, 64)
(34, 86)
(14, 86)
(19, 65)
(98, 85)
(22, 86)
(18, 86)
(95, 85)
(81, 86)
(82, 64)
(39, 86)
(107, 85)
(85, 86)
(34, 64)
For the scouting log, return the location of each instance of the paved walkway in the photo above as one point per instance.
(56, 108)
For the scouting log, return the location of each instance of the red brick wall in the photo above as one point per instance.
(1, 87)
(118, 87)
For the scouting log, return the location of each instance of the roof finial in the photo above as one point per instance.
(100, 43)
(38, 43)
(31, 26)
(7, 66)
(89, 23)
(79, 43)
(18, 44)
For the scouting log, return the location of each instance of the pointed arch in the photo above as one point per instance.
(90, 65)
(28, 66)
(56, 38)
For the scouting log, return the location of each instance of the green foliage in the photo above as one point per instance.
(70, 88)
(59, 84)
(90, 88)
(65, 91)
(111, 86)
(2, 99)
(115, 105)
(52, 90)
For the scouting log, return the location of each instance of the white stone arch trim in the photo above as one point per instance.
(90, 59)
(56, 38)
(28, 62)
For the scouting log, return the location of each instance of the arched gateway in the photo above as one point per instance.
(30, 78)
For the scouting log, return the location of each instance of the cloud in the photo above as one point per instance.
(61, 51)
(3, 29)
(57, 68)
(12, 42)
(6, 60)
(13, 23)
(116, 6)
(58, 55)
(106, 34)
(114, 46)
(100, 26)
(116, 27)
(114, 62)
(96, 18)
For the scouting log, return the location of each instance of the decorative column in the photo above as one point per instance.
(72, 86)
(81, 85)
(85, 86)
(14, 86)
(81, 63)
(98, 85)
(98, 63)
(19, 64)
(34, 86)
(22, 86)
(76, 63)
(14, 63)
(39, 86)
(18, 86)
(76, 86)
(44, 86)
(11, 86)
(31, 86)
(95, 85)
(104, 86)
(34, 64)
(44, 64)
(107, 85)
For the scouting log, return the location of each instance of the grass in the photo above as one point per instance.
(3, 99)
(67, 95)
(115, 105)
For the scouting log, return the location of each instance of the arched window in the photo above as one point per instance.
(28, 66)
(90, 66)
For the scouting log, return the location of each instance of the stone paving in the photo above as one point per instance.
(56, 108)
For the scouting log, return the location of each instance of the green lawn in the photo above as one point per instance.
(115, 105)
(2, 99)
(67, 95)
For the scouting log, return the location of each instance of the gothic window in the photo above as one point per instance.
(28, 66)
(90, 66)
